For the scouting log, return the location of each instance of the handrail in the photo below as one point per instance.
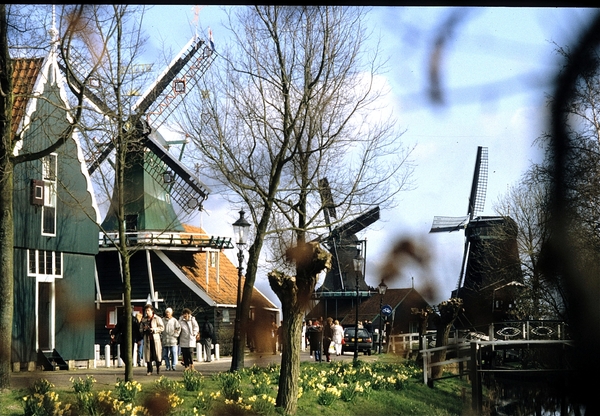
(166, 238)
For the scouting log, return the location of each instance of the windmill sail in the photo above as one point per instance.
(327, 200)
(182, 74)
(447, 224)
(185, 189)
(358, 224)
(479, 185)
(149, 113)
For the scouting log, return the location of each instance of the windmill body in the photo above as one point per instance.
(337, 296)
(490, 256)
(147, 201)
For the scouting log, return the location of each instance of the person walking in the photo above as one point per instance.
(314, 335)
(137, 337)
(206, 337)
(187, 337)
(169, 339)
(307, 339)
(338, 336)
(327, 338)
(151, 327)
(117, 340)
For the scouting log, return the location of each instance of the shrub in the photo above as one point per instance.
(192, 380)
(327, 395)
(42, 386)
(127, 390)
(46, 404)
(83, 386)
(169, 385)
(230, 384)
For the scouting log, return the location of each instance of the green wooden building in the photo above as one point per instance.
(55, 224)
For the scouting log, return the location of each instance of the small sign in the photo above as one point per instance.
(386, 310)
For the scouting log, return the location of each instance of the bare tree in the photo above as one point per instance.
(97, 58)
(296, 101)
(527, 204)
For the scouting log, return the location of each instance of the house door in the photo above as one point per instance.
(44, 314)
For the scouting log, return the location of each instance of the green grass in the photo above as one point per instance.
(376, 388)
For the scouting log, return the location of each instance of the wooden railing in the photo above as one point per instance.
(167, 239)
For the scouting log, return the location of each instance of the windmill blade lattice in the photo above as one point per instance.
(184, 188)
(182, 74)
(327, 200)
(479, 186)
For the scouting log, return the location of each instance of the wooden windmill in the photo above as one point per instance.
(490, 257)
(476, 205)
(343, 244)
(154, 177)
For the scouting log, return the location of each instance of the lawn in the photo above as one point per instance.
(374, 388)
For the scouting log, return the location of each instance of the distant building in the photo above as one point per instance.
(400, 300)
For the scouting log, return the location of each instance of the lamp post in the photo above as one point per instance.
(381, 288)
(358, 266)
(240, 231)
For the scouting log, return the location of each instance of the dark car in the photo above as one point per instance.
(365, 340)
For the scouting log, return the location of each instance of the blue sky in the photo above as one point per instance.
(498, 68)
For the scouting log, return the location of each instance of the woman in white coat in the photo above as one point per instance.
(187, 337)
(151, 327)
(338, 336)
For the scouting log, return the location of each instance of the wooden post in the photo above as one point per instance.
(425, 360)
(475, 379)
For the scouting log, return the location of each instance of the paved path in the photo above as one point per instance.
(107, 377)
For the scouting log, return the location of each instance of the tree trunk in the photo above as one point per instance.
(6, 206)
(6, 271)
(449, 311)
(294, 294)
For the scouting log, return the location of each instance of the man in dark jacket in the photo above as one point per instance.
(315, 336)
(207, 334)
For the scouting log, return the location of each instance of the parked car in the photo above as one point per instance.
(365, 340)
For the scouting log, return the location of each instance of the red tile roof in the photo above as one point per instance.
(224, 289)
(25, 73)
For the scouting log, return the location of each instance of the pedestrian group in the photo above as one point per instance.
(164, 339)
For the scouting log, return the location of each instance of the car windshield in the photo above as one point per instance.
(361, 332)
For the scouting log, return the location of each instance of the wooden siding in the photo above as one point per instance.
(75, 308)
(24, 330)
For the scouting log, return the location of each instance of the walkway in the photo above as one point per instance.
(107, 377)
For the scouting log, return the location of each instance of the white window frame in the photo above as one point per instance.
(38, 262)
(49, 175)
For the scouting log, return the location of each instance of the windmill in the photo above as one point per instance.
(342, 243)
(151, 170)
(490, 258)
(476, 205)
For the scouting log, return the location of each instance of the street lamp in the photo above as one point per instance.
(381, 288)
(240, 232)
(358, 267)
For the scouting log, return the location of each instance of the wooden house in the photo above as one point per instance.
(183, 269)
(55, 224)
